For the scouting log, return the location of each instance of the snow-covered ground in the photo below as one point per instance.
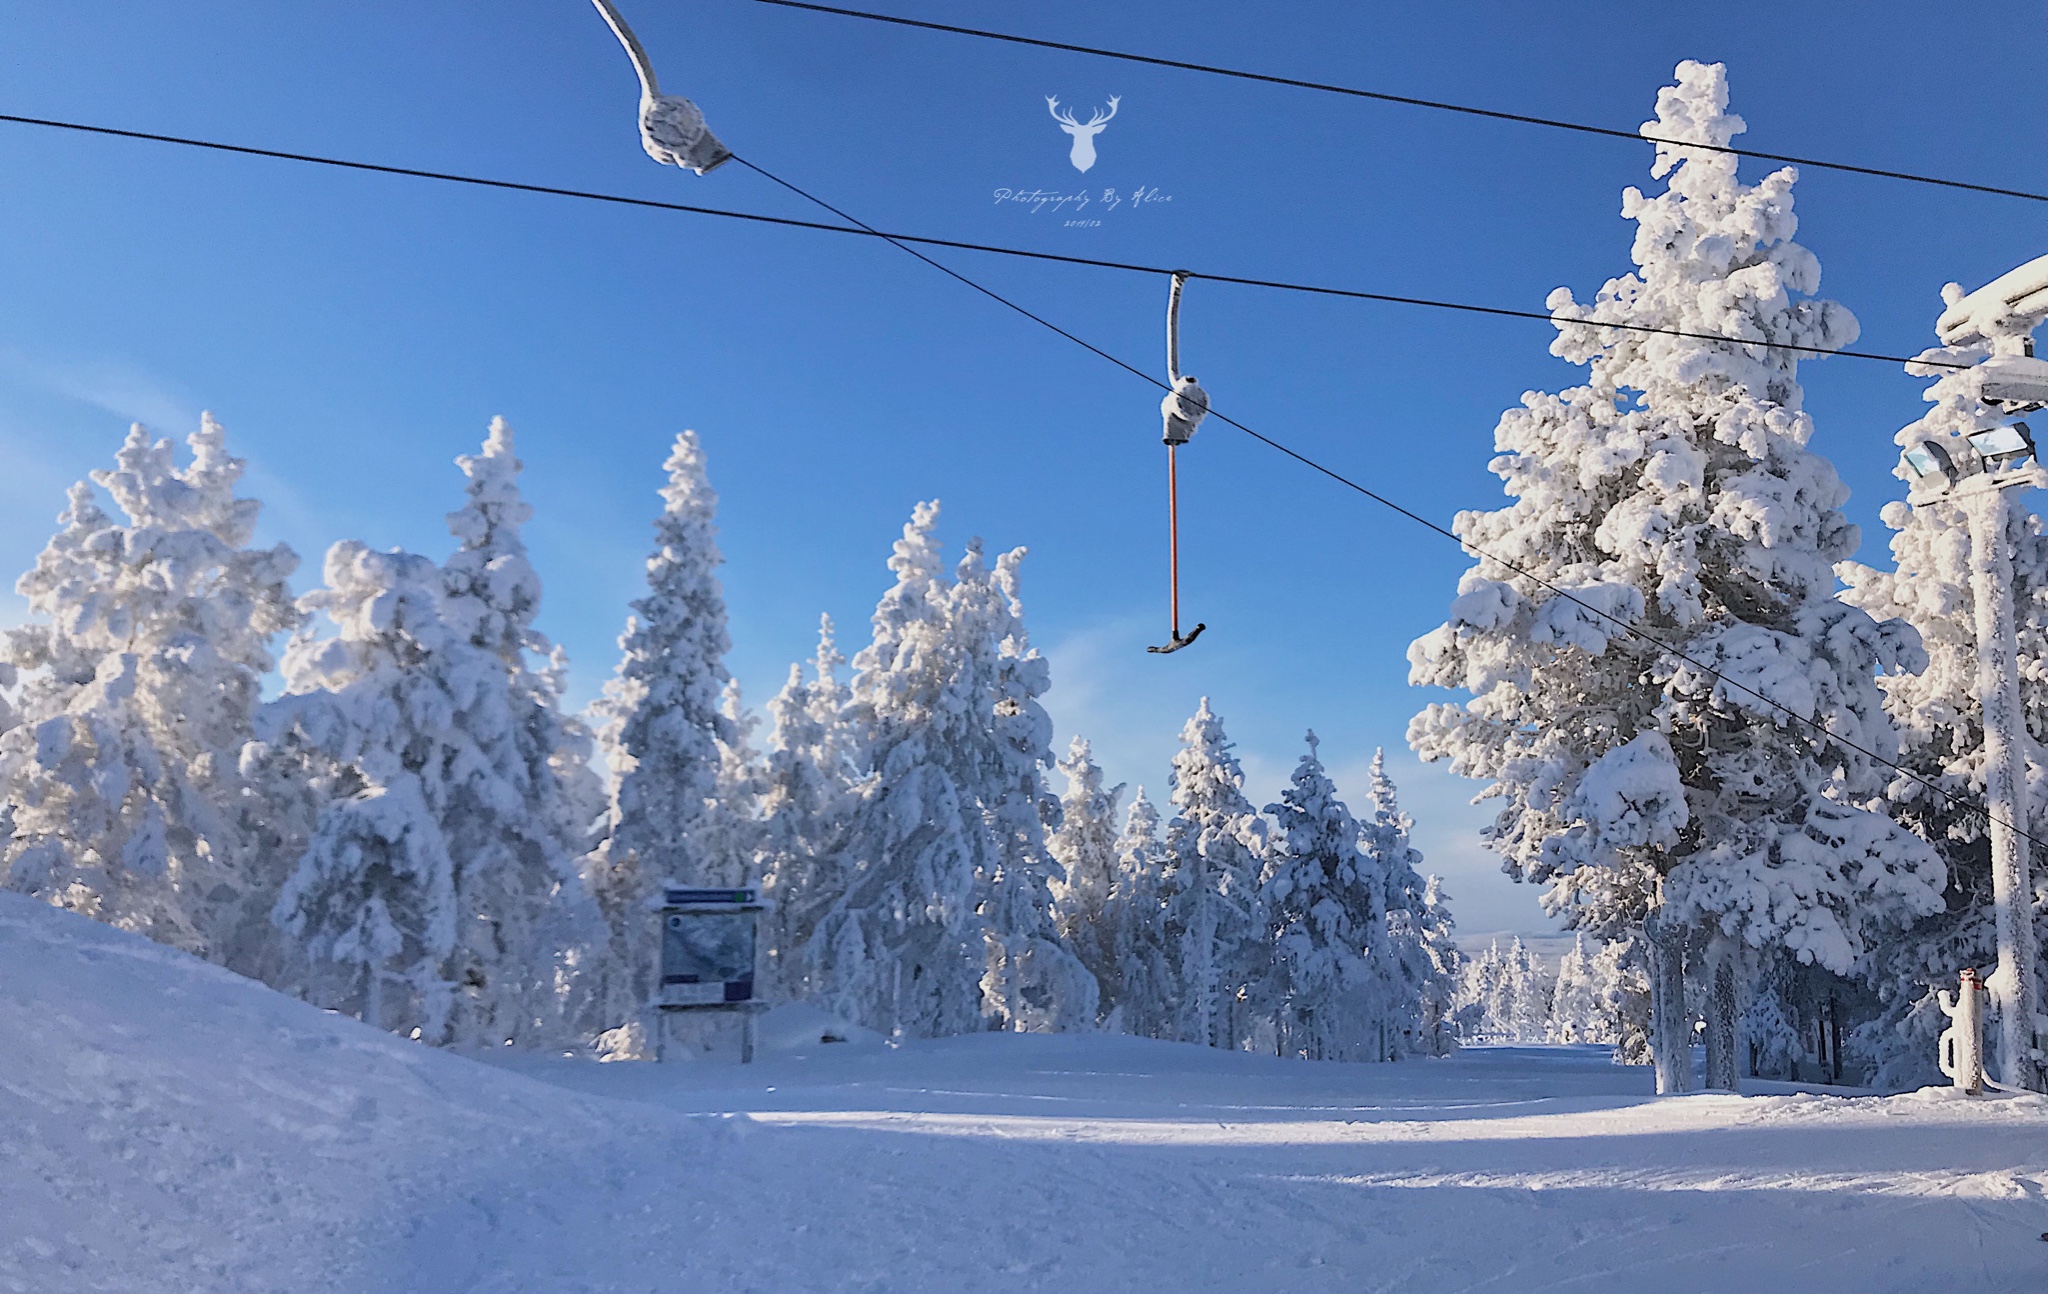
(168, 1126)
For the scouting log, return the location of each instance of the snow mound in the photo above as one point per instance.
(799, 1028)
(172, 1126)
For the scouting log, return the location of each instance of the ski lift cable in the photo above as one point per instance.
(993, 249)
(1954, 798)
(1410, 101)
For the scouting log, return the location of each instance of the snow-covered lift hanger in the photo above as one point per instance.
(672, 130)
(1183, 408)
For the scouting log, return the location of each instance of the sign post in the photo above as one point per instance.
(707, 967)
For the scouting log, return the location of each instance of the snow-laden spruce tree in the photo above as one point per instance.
(1147, 983)
(1431, 931)
(806, 801)
(1674, 493)
(434, 895)
(664, 734)
(439, 891)
(1941, 726)
(139, 679)
(389, 716)
(730, 838)
(1032, 981)
(1085, 846)
(494, 591)
(1576, 1004)
(1620, 970)
(1478, 987)
(1773, 1027)
(1511, 991)
(1216, 851)
(1423, 978)
(1334, 986)
(528, 923)
(944, 922)
(901, 948)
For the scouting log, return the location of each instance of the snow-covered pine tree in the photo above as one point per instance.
(583, 802)
(1148, 1001)
(1674, 492)
(1771, 1024)
(138, 687)
(901, 949)
(1621, 975)
(527, 924)
(1085, 846)
(1431, 931)
(1526, 998)
(731, 837)
(1511, 992)
(1575, 1004)
(1422, 979)
(439, 891)
(1941, 725)
(389, 717)
(664, 734)
(944, 922)
(1479, 990)
(1334, 985)
(808, 793)
(1032, 981)
(1423, 972)
(1216, 850)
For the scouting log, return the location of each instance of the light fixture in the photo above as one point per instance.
(2004, 446)
(1928, 461)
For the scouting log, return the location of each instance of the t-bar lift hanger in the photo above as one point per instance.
(1184, 408)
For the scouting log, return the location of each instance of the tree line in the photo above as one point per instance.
(416, 831)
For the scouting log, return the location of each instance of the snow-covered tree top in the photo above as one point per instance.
(1206, 774)
(490, 576)
(179, 566)
(1714, 256)
(1141, 827)
(914, 600)
(1084, 775)
(1316, 827)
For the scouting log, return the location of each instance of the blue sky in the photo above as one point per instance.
(357, 332)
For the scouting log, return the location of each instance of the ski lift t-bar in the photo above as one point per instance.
(1184, 407)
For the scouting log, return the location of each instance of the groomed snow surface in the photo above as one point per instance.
(169, 1126)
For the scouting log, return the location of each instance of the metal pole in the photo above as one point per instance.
(1173, 533)
(1180, 278)
(643, 66)
(2013, 990)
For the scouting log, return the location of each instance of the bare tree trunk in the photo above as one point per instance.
(1669, 1045)
(1722, 1072)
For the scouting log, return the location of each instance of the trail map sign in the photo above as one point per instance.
(707, 947)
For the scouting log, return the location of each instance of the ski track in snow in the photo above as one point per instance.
(171, 1127)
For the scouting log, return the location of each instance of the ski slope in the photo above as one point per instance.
(169, 1126)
